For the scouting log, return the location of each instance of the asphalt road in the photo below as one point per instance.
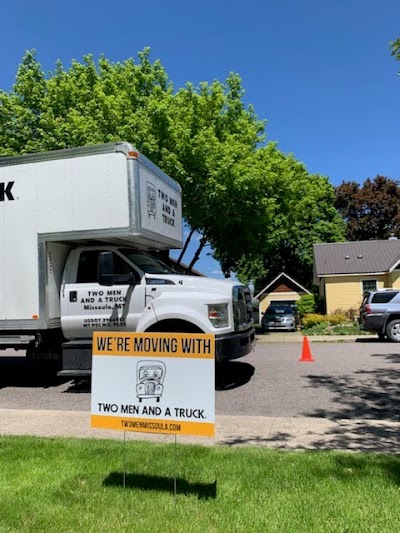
(347, 380)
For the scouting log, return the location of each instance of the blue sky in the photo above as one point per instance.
(320, 72)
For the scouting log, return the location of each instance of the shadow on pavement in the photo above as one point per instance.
(79, 385)
(368, 394)
(372, 340)
(232, 374)
(363, 415)
(162, 484)
(370, 400)
(16, 371)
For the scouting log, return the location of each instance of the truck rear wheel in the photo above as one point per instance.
(393, 330)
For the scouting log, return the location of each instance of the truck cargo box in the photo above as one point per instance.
(53, 201)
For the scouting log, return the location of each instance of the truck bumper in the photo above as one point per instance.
(234, 345)
(77, 355)
(373, 323)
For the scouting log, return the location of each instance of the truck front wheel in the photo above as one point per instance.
(393, 330)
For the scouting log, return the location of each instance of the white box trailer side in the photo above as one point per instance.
(51, 201)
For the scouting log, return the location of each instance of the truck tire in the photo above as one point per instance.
(393, 330)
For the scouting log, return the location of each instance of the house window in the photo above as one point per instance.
(369, 285)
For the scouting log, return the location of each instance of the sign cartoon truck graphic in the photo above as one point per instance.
(149, 379)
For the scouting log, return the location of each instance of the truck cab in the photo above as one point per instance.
(126, 289)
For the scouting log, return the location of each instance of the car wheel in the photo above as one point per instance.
(393, 330)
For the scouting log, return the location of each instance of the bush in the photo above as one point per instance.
(306, 304)
(337, 318)
(350, 314)
(334, 324)
(312, 319)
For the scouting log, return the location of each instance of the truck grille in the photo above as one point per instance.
(242, 307)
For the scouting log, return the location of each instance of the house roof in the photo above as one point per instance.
(282, 274)
(358, 257)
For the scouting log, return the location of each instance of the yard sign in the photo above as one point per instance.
(154, 382)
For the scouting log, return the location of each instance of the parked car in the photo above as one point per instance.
(279, 318)
(380, 312)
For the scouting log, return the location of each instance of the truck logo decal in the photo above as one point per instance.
(5, 191)
(151, 200)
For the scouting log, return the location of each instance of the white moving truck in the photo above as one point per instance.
(79, 233)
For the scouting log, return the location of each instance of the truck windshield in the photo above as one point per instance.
(146, 263)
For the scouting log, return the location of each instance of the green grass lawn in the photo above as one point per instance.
(67, 485)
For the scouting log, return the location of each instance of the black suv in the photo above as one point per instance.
(380, 312)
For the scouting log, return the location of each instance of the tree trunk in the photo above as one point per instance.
(183, 251)
(203, 242)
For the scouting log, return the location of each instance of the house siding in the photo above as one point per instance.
(345, 292)
(394, 279)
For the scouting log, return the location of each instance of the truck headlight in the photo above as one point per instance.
(218, 315)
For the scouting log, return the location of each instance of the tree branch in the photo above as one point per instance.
(203, 242)
(183, 251)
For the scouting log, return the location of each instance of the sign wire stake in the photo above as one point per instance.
(175, 467)
(124, 453)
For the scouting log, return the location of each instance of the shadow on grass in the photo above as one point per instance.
(161, 484)
(361, 466)
(232, 374)
(343, 466)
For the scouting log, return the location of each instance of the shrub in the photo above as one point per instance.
(351, 313)
(312, 319)
(306, 304)
(337, 318)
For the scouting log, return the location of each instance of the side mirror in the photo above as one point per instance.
(105, 269)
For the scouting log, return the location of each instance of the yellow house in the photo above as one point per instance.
(281, 290)
(345, 270)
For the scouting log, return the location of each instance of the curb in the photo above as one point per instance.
(298, 338)
(301, 433)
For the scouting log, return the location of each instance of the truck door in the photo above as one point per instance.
(88, 306)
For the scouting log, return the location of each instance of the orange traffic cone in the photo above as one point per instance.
(306, 356)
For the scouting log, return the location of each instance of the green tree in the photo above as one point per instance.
(200, 136)
(395, 47)
(259, 209)
(371, 210)
(298, 212)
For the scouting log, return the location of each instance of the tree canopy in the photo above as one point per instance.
(259, 208)
(371, 210)
(298, 210)
(395, 47)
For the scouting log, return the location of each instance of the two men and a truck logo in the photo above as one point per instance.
(149, 379)
(151, 199)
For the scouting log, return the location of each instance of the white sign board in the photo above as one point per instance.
(154, 382)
